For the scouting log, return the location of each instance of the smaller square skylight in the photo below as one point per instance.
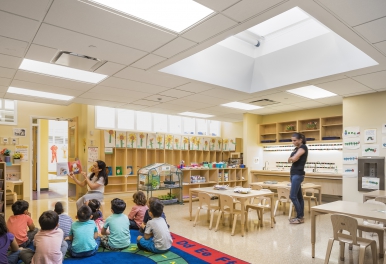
(312, 92)
(34, 93)
(242, 106)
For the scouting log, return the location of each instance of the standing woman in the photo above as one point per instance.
(298, 159)
(95, 182)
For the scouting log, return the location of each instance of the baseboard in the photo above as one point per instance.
(44, 189)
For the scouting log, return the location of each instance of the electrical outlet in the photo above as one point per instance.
(256, 160)
(91, 142)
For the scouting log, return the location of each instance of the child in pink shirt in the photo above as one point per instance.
(49, 245)
(137, 211)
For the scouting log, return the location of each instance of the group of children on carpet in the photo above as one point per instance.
(59, 235)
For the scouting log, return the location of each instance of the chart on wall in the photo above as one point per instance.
(131, 141)
(370, 136)
(109, 136)
(120, 139)
(351, 131)
(169, 141)
(350, 158)
(351, 143)
(141, 140)
(370, 150)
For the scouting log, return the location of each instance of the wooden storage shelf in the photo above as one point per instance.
(332, 125)
(309, 130)
(268, 134)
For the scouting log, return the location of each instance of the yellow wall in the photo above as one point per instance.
(43, 152)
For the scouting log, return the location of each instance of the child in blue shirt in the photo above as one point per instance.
(117, 237)
(83, 240)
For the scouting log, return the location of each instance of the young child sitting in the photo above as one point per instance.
(7, 240)
(48, 242)
(83, 240)
(97, 216)
(118, 235)
(137, 212)
(157, 238)
(17, 224)
(65, 221)
(147, 217)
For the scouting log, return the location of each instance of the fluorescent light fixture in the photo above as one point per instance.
(175, 15)
(312, 92)
(61, 71)
(195, 114)
(35, 93)
(242, 106)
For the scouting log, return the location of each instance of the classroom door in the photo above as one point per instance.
(34, 157)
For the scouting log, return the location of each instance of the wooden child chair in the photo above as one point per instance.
(227, 207)
(283, 197)
(204, 200)
(307, 188)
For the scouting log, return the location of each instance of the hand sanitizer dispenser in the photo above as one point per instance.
(371, 173)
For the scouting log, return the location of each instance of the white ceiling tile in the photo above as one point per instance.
(194, 87)
(2, 95)
(217, 5)
(5, 81)
(98, 102)
(3, 89)
(160, 110)
(40, 53)
(376, 80)
(247, 8)
(157, 97)
(68, 40)
(367, 70)
(355, 12)
(12, 46)
(331, 100)
(132, 85)
(327, 79)
(133, 107)
(35, 99)
(106, 25)
(287, 108)
(172, 92)
(342, 87)
(206, 99)
(381, 46)
(374, 31)
(48, 80)
(263, 93)
(109, 68)
(17, 27)
(45, 88)
(221, 110)
(145, 102)
(190, 104)
(209, 28)
(176, 108)
(310, 104)
(157, 78)
(233, 116)
(227, 94)
(148, 61)
(130, 95)
(174, 47)
(7, 73)
(34, 9)
(360, 93)
(9, 61)
(285, 98)
(265, 111)
(111, 97)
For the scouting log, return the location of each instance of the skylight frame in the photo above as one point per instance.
(312, 92)
(59, 71)
(242, 106)
(39, 94)
(193, 9)
(194, 114)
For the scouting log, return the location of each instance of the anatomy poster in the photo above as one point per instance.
(370, 136)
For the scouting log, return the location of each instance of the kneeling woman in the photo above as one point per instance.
(95, 182)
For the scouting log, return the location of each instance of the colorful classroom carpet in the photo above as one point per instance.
(183, 251)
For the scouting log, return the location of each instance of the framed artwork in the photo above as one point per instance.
(120, 139)
(160, 139)
(185, 143)
(169, 143)
(177, 142)
(141, 140)
(151, 141)
(109, 136)
(205, 144)
(131, 140)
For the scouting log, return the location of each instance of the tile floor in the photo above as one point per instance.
(285, 243)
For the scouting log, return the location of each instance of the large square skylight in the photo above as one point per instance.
(311, 92)
(175, 15)
(61, 71)
(33, 93)
(242, 106)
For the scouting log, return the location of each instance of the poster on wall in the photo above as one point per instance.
(177, 142)
(120, 139)
(195, 143)
(131, 141)
(160, 140)
(370, 183)
(141, 140)
(351, 132)
(185, 143)
(92, 154)
(350, 158)
(23, 150)
(109, 138)
(370, 136)
(19, 132)
(218, 144)
(350, 171)
(212, 144)
(169, 141)
(225, 144)
(383, 142)
(232, 144)
(151, 141)
(205, 144)
(351, 143)
(370, 150)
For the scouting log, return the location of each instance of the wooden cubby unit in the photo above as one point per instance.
(332, 127)
(283, 133)
(268, 132)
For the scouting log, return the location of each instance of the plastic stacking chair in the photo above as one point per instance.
(260, 207)
(283, 197)
(342, 223)
(204, 200)
(307, 188)
(227, 207)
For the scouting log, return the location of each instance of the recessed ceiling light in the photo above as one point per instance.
(242, 106)
(312, 92)
(195, 114)
(176, 15)
(61, 71)
(35, 93)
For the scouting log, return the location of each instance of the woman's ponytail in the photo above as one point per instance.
(300, 136)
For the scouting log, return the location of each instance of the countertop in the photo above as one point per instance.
(308, 174)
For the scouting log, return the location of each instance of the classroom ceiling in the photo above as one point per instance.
(135, 51)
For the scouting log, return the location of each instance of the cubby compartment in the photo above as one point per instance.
(268, 133)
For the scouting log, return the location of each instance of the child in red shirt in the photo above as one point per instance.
(138, 211)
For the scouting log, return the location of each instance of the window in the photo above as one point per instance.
(175, 124)
(214, 128)
(144, 121)
(8, 112)
(105, 117)
(189, 125)
(160, 123)
(202, 126)
(126, 119)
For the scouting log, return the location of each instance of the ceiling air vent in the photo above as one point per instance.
(77, 61)
(264, 102)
